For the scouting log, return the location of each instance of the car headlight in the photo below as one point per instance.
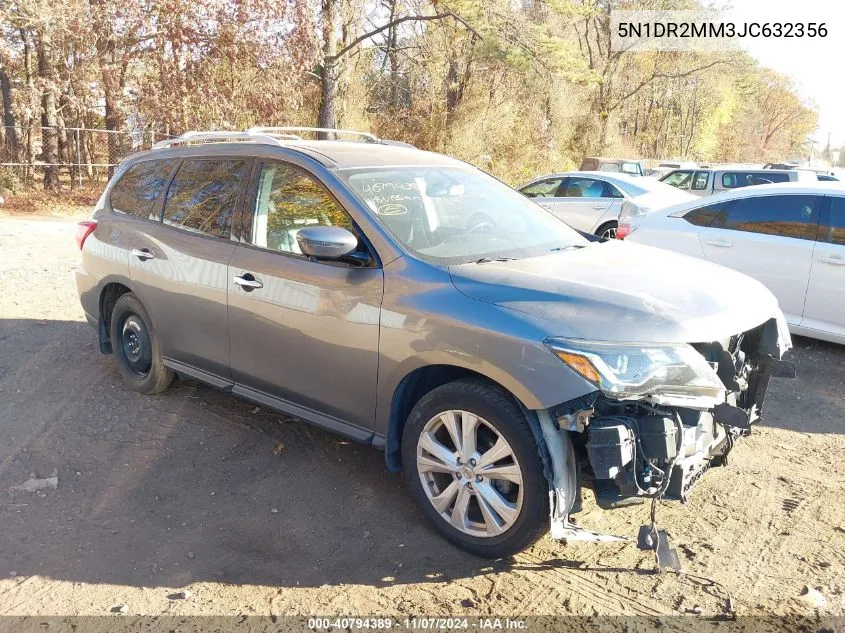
(627, 371)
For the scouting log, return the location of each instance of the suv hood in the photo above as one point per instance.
(615, 291)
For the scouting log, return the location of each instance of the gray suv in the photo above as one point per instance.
(409, 301)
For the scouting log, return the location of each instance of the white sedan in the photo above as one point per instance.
(791, 237)
(591, 201)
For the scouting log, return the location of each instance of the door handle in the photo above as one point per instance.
(598, 207)
(721, 243)
(143, 253)
(832, 259)
(247, 281)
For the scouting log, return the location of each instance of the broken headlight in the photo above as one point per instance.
(634, 370)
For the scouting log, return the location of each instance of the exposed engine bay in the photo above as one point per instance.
(659, 447)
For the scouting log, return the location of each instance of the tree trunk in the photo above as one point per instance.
(30, 123)
(331, 66)
(392, 60)
(49, 119)
(113, 79)
(11, 134)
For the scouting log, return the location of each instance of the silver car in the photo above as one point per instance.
(591, 201)
(409, 301)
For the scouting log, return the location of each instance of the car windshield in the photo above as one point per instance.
(454, 215)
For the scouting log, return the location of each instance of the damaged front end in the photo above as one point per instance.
(660, 417)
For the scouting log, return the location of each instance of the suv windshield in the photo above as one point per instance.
(454, 215)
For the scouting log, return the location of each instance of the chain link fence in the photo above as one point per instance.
(74, 156)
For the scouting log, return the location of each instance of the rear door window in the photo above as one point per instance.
(138, 189)
(204, 195)
(785, 216)
(543, 189)
(609, 167)
(832, 229)
(611, 191)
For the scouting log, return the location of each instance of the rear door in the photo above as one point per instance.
(770, 238)
(306, 338)
(179, 263)
(825, 305)
(581, 201)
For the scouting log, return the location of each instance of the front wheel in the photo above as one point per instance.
(472, 463)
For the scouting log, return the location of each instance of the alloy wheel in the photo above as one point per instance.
(469, 473)
(609, 233)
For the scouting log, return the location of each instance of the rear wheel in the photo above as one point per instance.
(472, 464)
(608, 230)
(136, 347)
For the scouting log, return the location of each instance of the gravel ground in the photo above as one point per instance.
(257, 514)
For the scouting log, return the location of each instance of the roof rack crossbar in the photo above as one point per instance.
(371, 138)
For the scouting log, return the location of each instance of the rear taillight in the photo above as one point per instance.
(83, 230)
(623, 231)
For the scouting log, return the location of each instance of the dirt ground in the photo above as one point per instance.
(257, 514)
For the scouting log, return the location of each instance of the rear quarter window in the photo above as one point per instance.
(706, 216)
(140, 186)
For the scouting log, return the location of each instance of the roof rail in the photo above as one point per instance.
(217, 137)
(267, 136)
(370, 138)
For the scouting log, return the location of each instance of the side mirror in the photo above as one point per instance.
(326, 242)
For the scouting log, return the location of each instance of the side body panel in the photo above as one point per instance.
(310, 335)
(105, 259)
(425, 320)
(824, 309)
(183, 287)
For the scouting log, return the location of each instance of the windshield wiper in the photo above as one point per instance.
(487, 260)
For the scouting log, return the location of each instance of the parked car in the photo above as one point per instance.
(622, 165)
(409, 301)
(591, 201)
(705, 182)
(791, 237)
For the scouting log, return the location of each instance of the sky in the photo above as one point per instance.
(814, 63)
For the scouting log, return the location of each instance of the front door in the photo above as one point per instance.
(303, 333)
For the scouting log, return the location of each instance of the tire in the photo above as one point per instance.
(135, 344)
(525, 511)
(608, 230)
